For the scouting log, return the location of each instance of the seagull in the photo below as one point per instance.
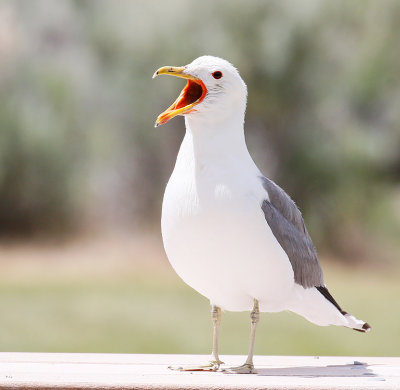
(228, 231)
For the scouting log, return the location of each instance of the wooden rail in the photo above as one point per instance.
(47, 371)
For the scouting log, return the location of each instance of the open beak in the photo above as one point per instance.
(193, 94)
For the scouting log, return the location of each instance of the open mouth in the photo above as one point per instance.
(193, 94)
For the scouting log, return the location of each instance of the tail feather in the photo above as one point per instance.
(353, 322)
(358, 325)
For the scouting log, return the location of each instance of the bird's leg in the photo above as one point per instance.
(248, 366)
(215, 362)
(216, 319)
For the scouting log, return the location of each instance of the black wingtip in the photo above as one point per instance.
(365, 328)
(325, 292)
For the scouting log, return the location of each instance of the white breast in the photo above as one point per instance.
(216, 237)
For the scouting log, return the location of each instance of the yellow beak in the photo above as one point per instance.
(172, 71)
(193, 93)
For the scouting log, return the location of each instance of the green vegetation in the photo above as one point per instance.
(77, 107)
(158, 313)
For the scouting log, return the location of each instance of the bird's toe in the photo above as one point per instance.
(243, 369)
(213, 365)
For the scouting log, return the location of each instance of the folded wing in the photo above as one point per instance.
(287, 225)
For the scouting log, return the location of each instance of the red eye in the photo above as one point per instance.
(217, 74)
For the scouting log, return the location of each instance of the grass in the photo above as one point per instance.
(150, 310)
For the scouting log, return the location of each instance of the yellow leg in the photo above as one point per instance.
(215, 362)
(216, 319)
(248, 366)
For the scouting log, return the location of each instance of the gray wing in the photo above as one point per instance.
(287, 225)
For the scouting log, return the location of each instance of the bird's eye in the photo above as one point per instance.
(217, 74)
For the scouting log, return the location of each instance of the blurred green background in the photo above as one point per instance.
(82, 170)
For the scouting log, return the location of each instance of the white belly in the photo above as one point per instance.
(222, 247)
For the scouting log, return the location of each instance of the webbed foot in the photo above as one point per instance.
(243, 369)
(213, 365)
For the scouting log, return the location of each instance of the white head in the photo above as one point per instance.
(214, 90)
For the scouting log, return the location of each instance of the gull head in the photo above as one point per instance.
(214, 90)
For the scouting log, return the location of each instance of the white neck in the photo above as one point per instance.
(217, 141)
